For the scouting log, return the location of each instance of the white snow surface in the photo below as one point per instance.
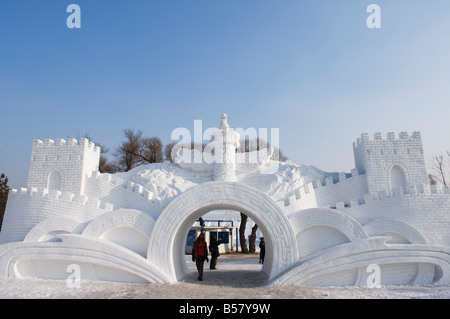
(169, 179)
(237, 277)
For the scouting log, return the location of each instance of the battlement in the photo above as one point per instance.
(324, 191)
(71, 142)
(307, 196)
(414, 193)
(390, 137)
(126, 193)
(63, 196)
(342, 177)
(108, 182)
(392, 161)
(62, 164)
(60, 150)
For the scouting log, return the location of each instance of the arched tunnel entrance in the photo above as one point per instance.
(233, 268)
(167, 243)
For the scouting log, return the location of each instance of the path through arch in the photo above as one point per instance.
(166, 244)
(234, 270)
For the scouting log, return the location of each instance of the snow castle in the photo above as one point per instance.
(319, 230)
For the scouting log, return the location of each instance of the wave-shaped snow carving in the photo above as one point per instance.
(426, 264)
(98, 260)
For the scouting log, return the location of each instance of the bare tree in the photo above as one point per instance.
(126, 152)
(151, 150)
(441, 168)
(251, 145)
(242, 239)
(432, 179)
(106, 166)
(4, 191)
(137, 150)
(168, 151)
(251, 244)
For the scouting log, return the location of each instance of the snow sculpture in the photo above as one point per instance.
(220, 156)
(320, 228)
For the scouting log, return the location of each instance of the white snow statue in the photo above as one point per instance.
(220, 156)
(382, 223)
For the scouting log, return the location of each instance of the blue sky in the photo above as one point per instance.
(310, 68)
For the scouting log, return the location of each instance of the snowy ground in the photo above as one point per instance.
(238, 277)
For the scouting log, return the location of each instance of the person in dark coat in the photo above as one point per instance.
(200, 254)
(262, 251)
(202, 225)
(214, 249)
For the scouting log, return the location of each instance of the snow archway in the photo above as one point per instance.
(167, 241)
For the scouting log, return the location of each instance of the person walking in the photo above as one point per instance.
(214, 249)
(262, 250)
(202, 225)
(200, 254)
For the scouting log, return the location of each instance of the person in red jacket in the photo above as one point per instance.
(200, 254)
